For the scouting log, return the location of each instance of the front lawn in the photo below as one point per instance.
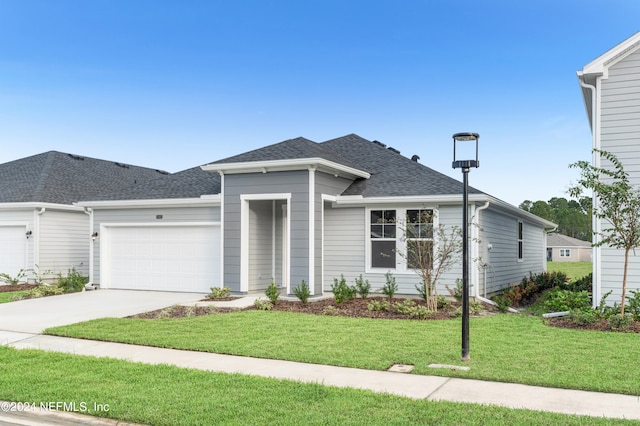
(574, 270)
(8, 296)
(165, 395)
(508, 348)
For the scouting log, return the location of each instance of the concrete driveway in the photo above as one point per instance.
(35, 315)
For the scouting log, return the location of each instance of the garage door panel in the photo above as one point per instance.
(170, 258)
(13, 249)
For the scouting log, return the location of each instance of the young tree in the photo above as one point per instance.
(431, 252)
(618, 204)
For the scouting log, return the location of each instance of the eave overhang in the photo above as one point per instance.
(320, 164)
(203, 201)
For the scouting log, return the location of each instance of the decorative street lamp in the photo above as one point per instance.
(465, 165)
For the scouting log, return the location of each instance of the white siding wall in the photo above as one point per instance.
(620, 134)
(260, 245)
(64, 242)
(147, 215)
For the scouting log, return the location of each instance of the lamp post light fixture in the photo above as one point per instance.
(465, 165)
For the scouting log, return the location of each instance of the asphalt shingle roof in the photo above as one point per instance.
(57, 177)
(559, 240)
(391, 173)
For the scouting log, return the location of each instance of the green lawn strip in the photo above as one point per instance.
(574, 270)
(509, 348)
(7, 296)
(165, 395)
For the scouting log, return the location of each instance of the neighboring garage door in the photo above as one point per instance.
(13, 249)
(164, 258)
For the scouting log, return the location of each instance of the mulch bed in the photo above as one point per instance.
(603, 325)
(16, 287)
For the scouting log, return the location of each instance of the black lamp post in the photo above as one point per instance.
(465, 165)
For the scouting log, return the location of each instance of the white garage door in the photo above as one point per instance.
(164, 258)
(13, 249)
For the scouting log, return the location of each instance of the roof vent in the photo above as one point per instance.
(380, 143)
(162, 172)
(415, 158)
(124, 166)
(75, 157)
(393, 150)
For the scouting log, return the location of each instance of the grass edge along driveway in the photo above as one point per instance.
(507, 348)
(166, 395)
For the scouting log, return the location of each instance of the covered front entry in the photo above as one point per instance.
(265, 243)
(13, 249)
(168, 257)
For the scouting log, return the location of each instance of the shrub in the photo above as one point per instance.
(272, 292)
(405, 307)
(582, 284)
(42, 291)
(420, 312)
(606, 311)
(331, 310)
(620, 322)
(363, 287)
(379, 305)
(502, 303)
(263, 305)
(13, 280)
(558, 300)
(73, 282)
(584, 316)
(219, 293)
(342, 291)
(390, 287)
(530, 287)
(475, 308)
(443, 302)
(456, 293)
(302, 292)
(634, 304)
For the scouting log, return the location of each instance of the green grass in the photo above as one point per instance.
(165, 395)
(7, 296)
(574, 270)
(508, 348)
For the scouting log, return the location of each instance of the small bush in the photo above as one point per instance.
(390, 287)
(634, 304)
(475, 308)
(42, 291)
(73, 282)
(272, 292)
(302, 292)
(342, 291)
(263, 305)
(457, 292)
(420, 312)
(331, 311)
(379, 305)
(558, 300)
(405, 307)
(443, 302)
(584, 317)
(219, 293)
(502, 303)
(13, 280)
(620, 322)
(582, 284)
(363, 287)
(606, 311)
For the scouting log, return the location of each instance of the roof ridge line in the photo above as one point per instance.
(44, 174)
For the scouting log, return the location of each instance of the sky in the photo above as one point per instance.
(175, 84)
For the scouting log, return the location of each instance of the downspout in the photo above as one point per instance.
(89, 211)
(36, 238)
(595, 224)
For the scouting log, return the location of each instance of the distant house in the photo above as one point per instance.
(611, 91)
(40, 227)
(562, 248)
(301, 210)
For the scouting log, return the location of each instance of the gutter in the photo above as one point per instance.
(89, 285)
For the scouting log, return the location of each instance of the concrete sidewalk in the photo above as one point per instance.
(410, 385)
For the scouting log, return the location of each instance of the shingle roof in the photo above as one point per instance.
(559, 240)
(57, 177)
(190, 183)
(391, 173)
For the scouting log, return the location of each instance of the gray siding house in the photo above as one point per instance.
(40, 227)
(562, 248)
(611, 91)
(300, 210)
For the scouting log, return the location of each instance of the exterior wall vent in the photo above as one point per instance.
(75, 157)
(415, 158)
(380, 143)
(393, 150)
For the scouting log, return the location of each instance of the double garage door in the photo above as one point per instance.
(162, 258)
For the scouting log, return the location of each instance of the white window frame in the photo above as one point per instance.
(565, 252)
(401, 214)
(520, 242)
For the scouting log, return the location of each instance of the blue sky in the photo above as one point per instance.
(175, 84)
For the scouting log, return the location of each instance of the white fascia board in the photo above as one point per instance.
(208, 200)
(285, 165)
(600, 65)
(35, 205)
